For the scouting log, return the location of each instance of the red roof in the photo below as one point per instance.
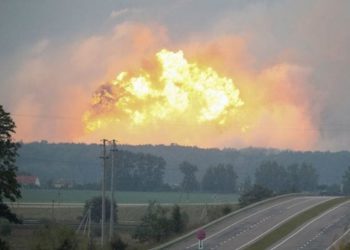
(26, 180)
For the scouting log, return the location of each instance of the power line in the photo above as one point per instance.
(104, 157)
(111, 219)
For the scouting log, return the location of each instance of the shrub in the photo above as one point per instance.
(5, 228)
(4, 245)
(118, 244)
(52, 236)
(157, 224)
(178, 219)
(95, 204)
(226, 210)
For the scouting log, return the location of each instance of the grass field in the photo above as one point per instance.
(128, 216)
(204, 210)
(65, 196)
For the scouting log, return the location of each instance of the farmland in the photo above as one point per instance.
(125, 197)
(37, 206)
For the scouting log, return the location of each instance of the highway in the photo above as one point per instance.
(320, 232)
(244, 228)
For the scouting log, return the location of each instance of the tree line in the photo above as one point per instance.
(290, 179)
(273, 179)
(279, 179)
(81, 163)
(221, 178)
(145, 172)
(137, 171)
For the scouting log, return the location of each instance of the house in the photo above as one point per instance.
(28, 180)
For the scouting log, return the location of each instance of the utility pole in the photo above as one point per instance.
(111, 217)
(103, 219)
(89, 221)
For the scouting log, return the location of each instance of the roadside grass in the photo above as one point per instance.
(292, 224)
(44, 213)
(67, 196)
(207, 207)
(129, 216)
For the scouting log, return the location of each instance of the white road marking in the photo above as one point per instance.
(280, 223)
(338, 240)
(239, 221)
(307, 224)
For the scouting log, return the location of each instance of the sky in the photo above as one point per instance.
(288, 59)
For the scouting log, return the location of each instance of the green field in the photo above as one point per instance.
(66, 196)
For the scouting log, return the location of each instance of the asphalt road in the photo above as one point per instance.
(320, 232)
(246, 227)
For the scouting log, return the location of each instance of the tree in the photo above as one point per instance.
(189, 182)
(257, 193)
(95, 204)
(137, 171)
(308, 177)
(179, 219)
(333, 189)
(294, 178)
(293, 173)
(272, 176)
(246, 185)
(221, 178)
(155, 224)
(9, 187)
(346, 182)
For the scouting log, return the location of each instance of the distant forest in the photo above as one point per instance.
(81, 163)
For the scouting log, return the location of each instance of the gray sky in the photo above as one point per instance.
(38, 39)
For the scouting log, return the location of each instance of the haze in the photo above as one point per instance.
(289, 61)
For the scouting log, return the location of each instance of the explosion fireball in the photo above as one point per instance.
(218, 95)
(181, 99)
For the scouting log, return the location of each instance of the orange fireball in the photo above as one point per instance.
(179, 92)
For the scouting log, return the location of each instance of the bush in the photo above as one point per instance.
(5, 228)
(55, 237)
(226, 209)
(178, 219)
(118, 244)
(157, 224)
(4, 245)
(95, 204)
